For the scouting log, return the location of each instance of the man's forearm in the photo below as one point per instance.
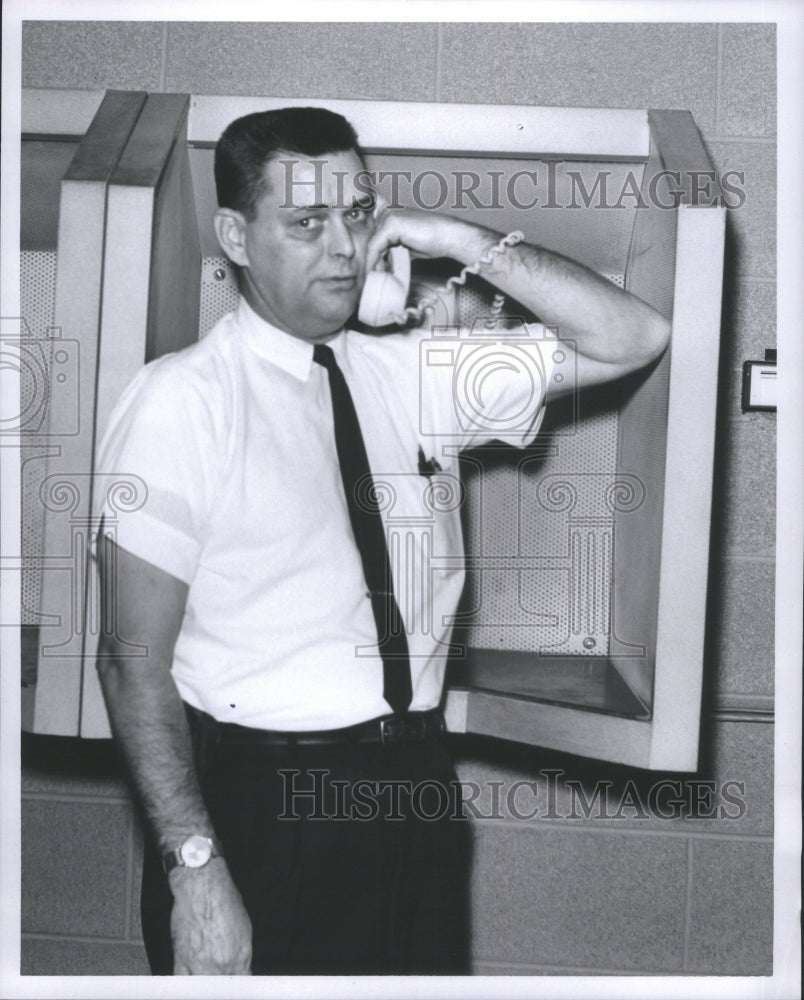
(210, 928)
(149, 723)
(604, 322)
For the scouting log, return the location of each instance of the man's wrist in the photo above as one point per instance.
(188, 882)
(193, 851)
(467, 242)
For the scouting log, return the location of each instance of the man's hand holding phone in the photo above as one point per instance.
(398, 233)
(426, 234)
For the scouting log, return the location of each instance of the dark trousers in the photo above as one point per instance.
(351, 859)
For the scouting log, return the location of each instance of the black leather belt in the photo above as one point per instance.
(408, 728)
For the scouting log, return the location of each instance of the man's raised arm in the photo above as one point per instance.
(210, 928)
(612, 332)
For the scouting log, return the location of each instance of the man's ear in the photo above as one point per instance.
(230, 228)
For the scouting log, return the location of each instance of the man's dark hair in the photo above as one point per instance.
(250, 142)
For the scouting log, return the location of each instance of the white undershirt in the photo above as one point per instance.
(233, 441)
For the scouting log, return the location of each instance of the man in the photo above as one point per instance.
(286, 704)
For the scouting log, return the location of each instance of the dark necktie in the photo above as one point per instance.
(369, 534)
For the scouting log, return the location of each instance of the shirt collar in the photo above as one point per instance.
(292, 354)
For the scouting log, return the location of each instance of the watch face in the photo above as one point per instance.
(196, 851)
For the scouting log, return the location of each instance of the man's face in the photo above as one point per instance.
(305, 249)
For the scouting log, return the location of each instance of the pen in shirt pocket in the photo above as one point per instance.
(428, 467)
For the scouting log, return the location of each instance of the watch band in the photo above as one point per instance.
(175, 858)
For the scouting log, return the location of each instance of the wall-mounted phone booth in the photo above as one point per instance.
(582, 623)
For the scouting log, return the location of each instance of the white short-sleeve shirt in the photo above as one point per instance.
(232, 441)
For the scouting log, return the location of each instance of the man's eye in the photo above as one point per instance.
(358, 214)
(309, 222)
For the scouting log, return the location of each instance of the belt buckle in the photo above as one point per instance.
(397, 729)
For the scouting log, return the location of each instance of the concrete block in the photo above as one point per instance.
(583, 65)
(731, 920)
(604, 901)
(74, 867)
(92, 55)
(292, 59)
(747, 104)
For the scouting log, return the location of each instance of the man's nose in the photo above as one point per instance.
(341, 241)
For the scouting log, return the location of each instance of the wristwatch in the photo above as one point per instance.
(194, 852)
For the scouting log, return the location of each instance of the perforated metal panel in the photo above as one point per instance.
(539, 531)
(218, 292)
(42, 166)
(37, 299)
(38, 290)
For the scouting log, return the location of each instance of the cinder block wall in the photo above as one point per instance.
(551, 895)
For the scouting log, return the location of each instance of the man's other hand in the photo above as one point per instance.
(210, 927)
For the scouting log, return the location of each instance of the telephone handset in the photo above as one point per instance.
(385, 293)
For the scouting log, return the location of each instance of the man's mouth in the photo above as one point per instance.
(343, 282)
